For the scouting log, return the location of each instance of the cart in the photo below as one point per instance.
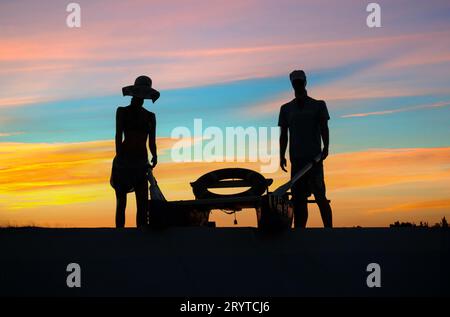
(274, 210)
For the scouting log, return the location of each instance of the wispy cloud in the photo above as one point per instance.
(4, 134)
(268, 107)
(22, 101)
(392, 111)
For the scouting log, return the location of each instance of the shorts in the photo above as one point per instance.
(311, 183)
(128, 173)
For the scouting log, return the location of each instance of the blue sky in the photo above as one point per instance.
(223, 105)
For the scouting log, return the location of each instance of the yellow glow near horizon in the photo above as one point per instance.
(67, 184)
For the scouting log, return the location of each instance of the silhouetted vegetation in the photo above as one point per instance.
(397, 224)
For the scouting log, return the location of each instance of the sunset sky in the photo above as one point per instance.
(227, 62)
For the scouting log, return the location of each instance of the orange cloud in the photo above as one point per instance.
(385, 167)
(57, 183)
(419, 205)
(32, 166)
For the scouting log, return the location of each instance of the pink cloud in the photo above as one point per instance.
(189, 43)
(72, 66)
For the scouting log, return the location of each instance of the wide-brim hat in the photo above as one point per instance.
(142, 88)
